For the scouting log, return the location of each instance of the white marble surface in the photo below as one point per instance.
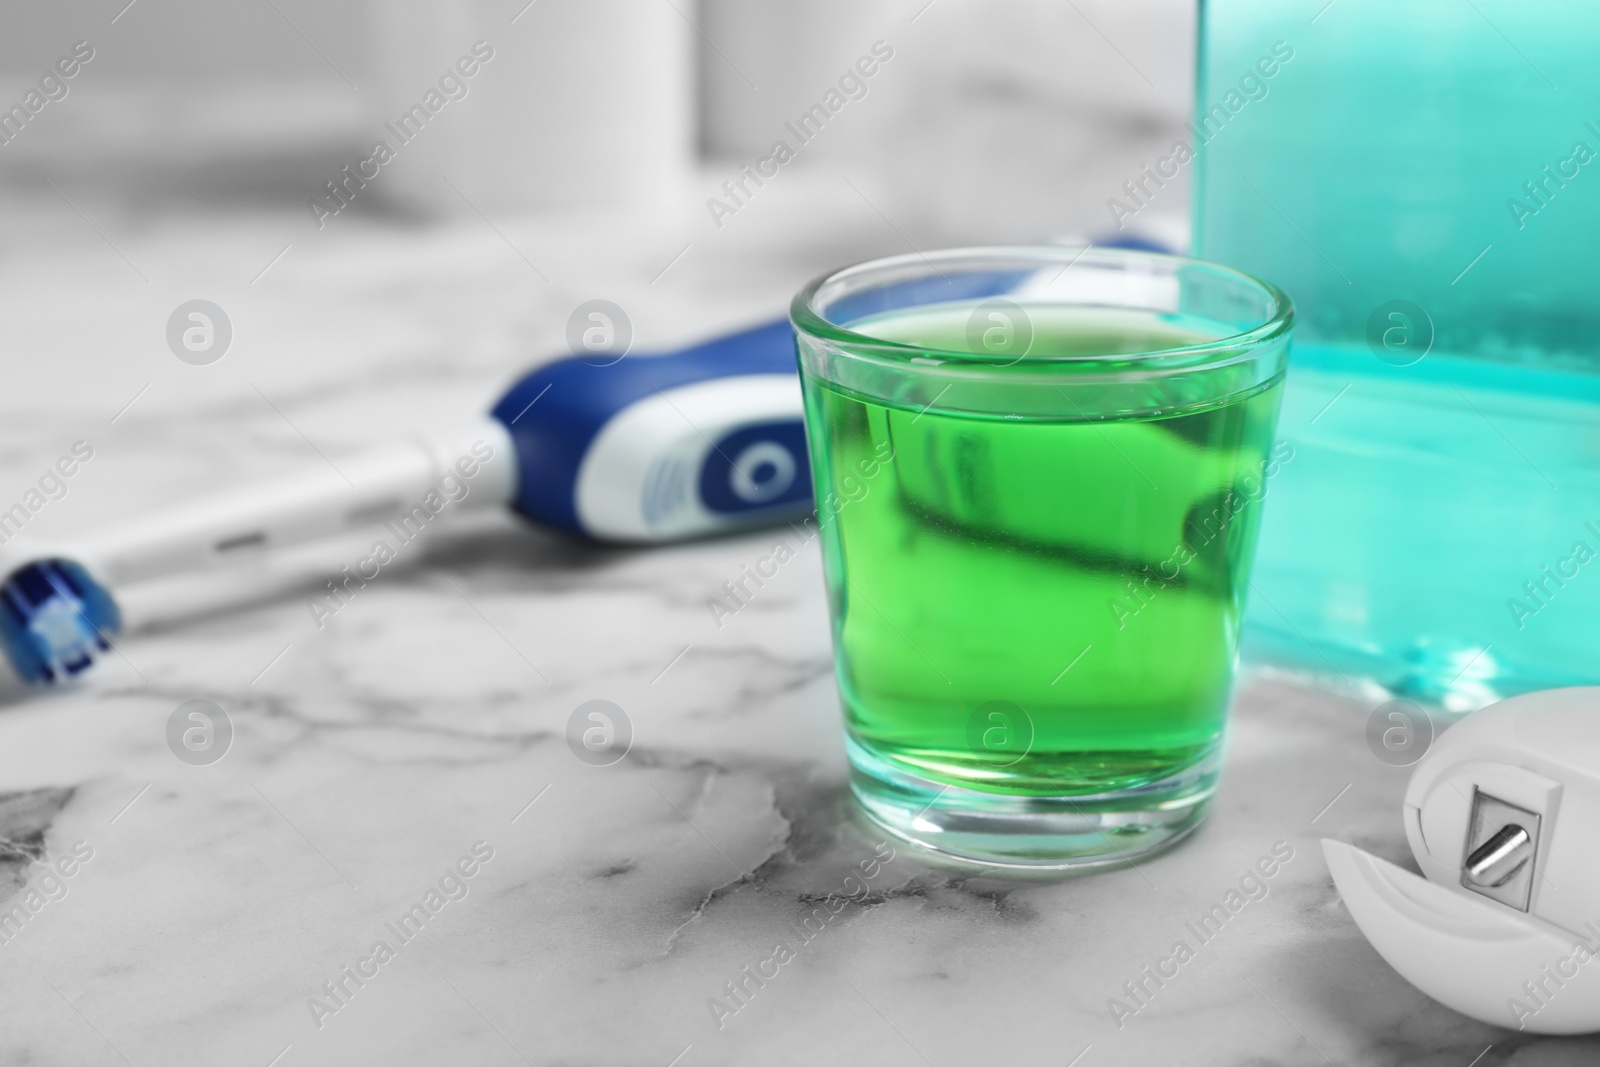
(374, 753)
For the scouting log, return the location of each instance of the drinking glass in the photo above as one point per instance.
(1038, 477)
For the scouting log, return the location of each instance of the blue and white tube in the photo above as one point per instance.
(644, 449)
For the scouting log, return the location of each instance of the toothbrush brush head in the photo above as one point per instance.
(55, 620)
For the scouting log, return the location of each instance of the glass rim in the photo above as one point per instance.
(807, 320)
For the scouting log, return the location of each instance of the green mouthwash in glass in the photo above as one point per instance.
(1039, 605)
(1038, 475)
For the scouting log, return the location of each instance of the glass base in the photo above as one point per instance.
(1040, 833)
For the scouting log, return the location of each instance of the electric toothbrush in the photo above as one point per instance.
(642, 449)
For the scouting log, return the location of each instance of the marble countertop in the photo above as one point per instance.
(402, 776)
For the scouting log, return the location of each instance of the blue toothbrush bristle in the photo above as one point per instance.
(55, 620)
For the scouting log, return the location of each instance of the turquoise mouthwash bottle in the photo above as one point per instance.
(1423, 178)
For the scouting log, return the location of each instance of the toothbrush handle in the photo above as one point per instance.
(387, 483)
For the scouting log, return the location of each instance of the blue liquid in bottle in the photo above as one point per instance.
(1423, 178)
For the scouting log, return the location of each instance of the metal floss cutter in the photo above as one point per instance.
(1501, 814)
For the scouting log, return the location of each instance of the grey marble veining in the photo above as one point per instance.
(427, 720)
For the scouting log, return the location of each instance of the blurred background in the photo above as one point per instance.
(994, 120)
(535, 155)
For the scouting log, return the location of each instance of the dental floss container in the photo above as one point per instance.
(1502, 815)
